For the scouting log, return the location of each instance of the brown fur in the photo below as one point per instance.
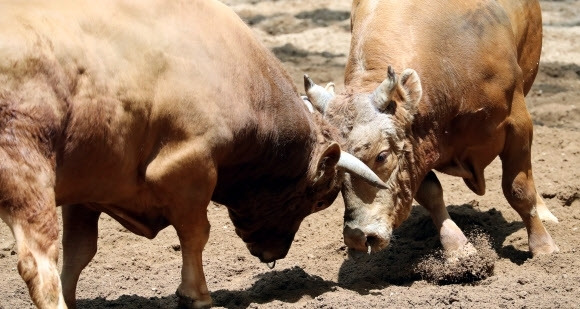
(476, 60)
(147, 111)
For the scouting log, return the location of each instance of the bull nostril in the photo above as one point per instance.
(372, 241)
(354, 238)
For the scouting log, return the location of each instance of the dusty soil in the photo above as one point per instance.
(319, 272)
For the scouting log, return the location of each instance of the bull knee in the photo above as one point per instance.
(40, 275)
(27, 266)
(430, 191)
(520, 193)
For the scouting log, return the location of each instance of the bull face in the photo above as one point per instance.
(268, 226)
(272, 215)
(376, 128)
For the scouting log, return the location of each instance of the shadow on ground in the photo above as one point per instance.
(129, 302)
(413, 240)
(288, 285)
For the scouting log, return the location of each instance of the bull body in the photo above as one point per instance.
(147, 111)
(461, 106)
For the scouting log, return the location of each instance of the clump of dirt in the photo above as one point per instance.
(441, 269)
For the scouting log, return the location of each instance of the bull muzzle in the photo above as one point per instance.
(365, 241)
(268, 254)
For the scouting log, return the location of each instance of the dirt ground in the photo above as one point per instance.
(319, 272)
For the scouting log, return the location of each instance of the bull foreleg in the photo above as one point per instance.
(27, 206)
(190, 195)
(79, 242)
(430, 196)
(35, 229)
(518, 181)
(193, 235)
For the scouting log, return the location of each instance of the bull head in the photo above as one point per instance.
(383, 119)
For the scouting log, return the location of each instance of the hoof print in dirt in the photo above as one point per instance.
(440, 269)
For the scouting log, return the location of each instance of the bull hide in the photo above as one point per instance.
(147, 111)
(459, 107)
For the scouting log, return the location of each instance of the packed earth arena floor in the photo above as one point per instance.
(129, 271)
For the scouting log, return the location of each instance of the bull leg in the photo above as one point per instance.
(190, 195)
(518, 181)
(35, 229)
(193, 235)
(79, 244)
(430, 196)
(27, 206)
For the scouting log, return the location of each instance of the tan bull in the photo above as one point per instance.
(460, 107)
(147, 111)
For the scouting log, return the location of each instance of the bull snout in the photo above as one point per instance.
(270, 253)
(366, 241)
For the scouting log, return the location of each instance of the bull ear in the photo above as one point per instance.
(329, 158)
(327, 163)
(411, 84)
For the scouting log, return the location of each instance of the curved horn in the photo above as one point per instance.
(330, 88)
(383, 91)
(355, 166)
(307, 103)
(319, 97)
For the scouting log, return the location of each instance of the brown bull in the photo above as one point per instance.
(476, 61)
(147, 111)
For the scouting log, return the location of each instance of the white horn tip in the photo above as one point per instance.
(358, 169)
(380, 184)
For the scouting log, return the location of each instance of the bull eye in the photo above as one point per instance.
(382, 157)
(319, 205)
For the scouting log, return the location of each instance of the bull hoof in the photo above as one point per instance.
(186, 302)
(467, 250)
(474, 261)
(545, 249)
(540, 242)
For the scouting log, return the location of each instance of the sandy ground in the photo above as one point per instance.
(319, 272)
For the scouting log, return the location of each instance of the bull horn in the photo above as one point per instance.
(330, 88)
(355, 166)
(318, 96)
(307, 103)
(383, 91)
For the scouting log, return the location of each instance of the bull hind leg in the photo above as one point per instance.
(518, 181)
(430, 196)
(79, 244)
